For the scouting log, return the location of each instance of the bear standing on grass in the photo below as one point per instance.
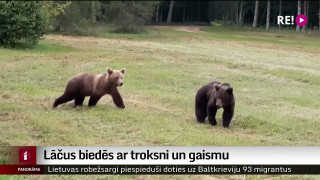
(210, 98)
(95, 86)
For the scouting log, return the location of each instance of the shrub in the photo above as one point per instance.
(22, 22)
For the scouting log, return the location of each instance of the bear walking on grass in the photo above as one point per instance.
(95, 86)
(212, 97)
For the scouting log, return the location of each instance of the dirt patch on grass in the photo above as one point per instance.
(182, 28)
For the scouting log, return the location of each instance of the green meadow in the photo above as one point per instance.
(275, 76)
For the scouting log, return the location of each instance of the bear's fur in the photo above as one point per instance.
(95, 86)
(212, 97)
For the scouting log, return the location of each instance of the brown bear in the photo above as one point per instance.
(95, 86)
(212, 97)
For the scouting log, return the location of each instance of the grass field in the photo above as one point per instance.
(275, 75)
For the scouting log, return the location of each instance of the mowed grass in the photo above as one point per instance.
(275, 76)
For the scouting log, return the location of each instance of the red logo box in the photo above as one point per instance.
(25, 156)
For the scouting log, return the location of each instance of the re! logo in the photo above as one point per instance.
(285, 20)
(301, 20)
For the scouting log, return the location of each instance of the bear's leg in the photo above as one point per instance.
(212, 110)
(62, 99)
(94, 100)
(117, 99)
(78, 101)
(201, 113)
(227, 115)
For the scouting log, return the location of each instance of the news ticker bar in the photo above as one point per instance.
(164, 155)
(161, 169)
(176, 155)
(162, 160)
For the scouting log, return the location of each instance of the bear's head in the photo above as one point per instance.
(116, 76)
(224, 95)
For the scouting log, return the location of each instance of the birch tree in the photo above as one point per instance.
(305, 11)
(268, 15)
(169, 19)
(298, 12)
(256, 12)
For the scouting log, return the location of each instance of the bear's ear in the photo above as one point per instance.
(229, 90)
(109, 70)
(123, 70)
(217, 87)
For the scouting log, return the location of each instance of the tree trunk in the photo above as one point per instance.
(256, 11)
(298, 12)
(319, 16)
(170, 12)
(237, 12)
(198, 12)
(280, 8)
(157, 13)
(305, 11)
(184, 13)
(275, 15)
(93, 12)
(268, 15)
(262, 17)
(280, 11)
(241, 14)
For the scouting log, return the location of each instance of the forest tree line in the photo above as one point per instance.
(254, 13)
(30, 20)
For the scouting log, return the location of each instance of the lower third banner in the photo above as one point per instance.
(160, 169)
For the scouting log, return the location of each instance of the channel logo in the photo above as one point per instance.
(301, 20)
(25, 156)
